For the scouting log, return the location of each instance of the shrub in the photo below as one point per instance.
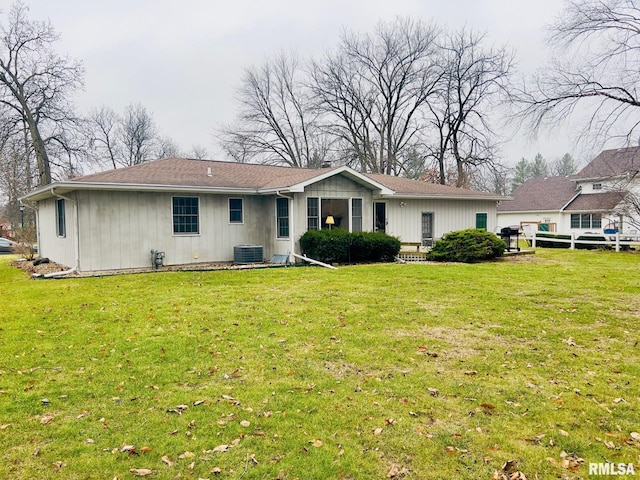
(338, 245)
(467, 246)
(589, 246)
(550, 244)
(25, 238)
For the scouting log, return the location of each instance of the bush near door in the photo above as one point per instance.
(338, 245)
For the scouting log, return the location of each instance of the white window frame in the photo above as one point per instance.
(241, 221)
(173, 217)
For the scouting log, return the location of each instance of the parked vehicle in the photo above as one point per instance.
(6, 245)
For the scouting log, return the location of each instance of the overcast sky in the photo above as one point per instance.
(183, 60)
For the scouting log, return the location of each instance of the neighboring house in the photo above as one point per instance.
(600, 198)
(6, 229)
(197, 211)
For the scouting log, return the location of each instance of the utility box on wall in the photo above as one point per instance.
(248, 254)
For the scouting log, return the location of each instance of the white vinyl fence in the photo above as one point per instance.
(617, 242)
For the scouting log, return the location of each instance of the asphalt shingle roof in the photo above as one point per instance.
(612, 163)
(605, 201)
(541, 194)
(231, 175)
(187, 172)
(407, 186)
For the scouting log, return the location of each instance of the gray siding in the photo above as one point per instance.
(119, 229)
(448, 215)
(58, 249)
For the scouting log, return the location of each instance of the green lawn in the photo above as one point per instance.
(435, 371)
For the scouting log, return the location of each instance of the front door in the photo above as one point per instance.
(427, 229)
(380, 217)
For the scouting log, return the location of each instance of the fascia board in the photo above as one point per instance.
(445, 196)
(571, 201)
(66, 187)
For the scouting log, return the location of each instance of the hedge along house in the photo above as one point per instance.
(197, 211)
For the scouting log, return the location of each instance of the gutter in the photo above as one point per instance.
(445, 196)
(42, 193)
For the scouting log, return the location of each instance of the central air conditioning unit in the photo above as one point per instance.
(248, 254)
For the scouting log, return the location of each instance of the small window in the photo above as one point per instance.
(61, 224)
(313, 213)
(356, 214)
(186, 213)
(235, 210)
(597, 186)
(282, 217)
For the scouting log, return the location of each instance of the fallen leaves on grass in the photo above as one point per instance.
(509, 471)
(218, 449)
(47, 419)
(231, 400)
(141, 472)
(571, 461)
(396, 472)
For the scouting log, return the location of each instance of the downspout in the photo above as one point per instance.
(292, 229)
(77, 228)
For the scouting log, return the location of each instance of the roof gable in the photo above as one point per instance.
(612, 163)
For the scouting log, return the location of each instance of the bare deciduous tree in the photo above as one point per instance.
(276, 123)
(127, 139)
(138, 134)
(35, 84)
(374, 88)
(473, 81)
(596, 73)
(103, 136)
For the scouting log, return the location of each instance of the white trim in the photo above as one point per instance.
(349, 172)
(186, 234)
(241, 222)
